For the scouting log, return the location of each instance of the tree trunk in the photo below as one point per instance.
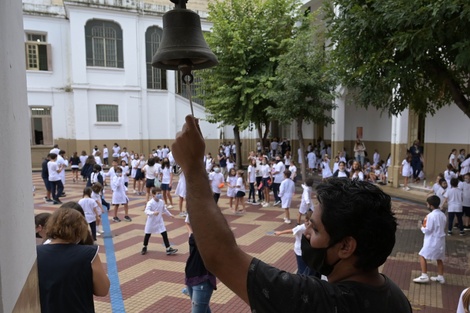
(300, 135)
(455, 90)
(236, 134)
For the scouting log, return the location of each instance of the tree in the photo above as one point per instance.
(245, 37)
(304, 89)
(401, 53)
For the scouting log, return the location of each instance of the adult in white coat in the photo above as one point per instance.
(155, 225)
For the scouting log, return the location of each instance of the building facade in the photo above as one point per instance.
(90, 82)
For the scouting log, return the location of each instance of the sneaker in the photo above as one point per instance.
(449, 233)
(265, 205)
(421, 279)
(98, 234)
(46, 199)
(287, 221)
(56, 201)
(135, 191)
(100, 230)
(462, 233)
(169, 206)
(127, 219)
(170, 251)
(63, 195)
(182, 214)
(116, 219)
(185, 291)
(439, 279)
(277, 203)
(144, 251)
(406, 188)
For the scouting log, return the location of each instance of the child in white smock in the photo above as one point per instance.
(286, 192)
(155, 225)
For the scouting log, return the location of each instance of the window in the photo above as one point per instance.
(196, 89)
(103, 44)
(156, 78)
(107, 113)
(38, 52)
(41, 126)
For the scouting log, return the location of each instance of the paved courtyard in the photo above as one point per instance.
(153, 282)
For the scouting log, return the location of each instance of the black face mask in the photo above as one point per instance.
(315, 258)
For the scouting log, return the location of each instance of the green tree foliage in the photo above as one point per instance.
(420, 49)
(304, 90)
(246, 37)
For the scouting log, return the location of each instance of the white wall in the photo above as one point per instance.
(449, 125)
(375, 127)
(17, 242)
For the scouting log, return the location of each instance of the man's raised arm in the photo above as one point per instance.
(214, 239)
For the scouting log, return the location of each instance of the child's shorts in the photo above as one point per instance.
(466, 210)
(240, 194)
(149, 183)
(165, 187)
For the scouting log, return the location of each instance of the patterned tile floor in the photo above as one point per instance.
(153, 283)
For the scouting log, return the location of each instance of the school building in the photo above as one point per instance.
(90, 82)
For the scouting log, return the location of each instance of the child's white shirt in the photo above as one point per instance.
(454, 199)
(251, 174)
(287, 188)
(298, 231)
(216, 179)
(465, 187)
(89, 205)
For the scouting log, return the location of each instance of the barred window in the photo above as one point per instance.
(38, 52)
(104, 44)
(156, 78)
(41, 126)
(196, 88)
(107, 113)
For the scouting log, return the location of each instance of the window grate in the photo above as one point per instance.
(107, 113)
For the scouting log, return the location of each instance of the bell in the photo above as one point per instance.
(183, 45)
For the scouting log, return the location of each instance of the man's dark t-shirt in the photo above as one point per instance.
(272, 290)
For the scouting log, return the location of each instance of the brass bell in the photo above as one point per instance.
(183, 44)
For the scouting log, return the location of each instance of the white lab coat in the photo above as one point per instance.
(155, 223)
(119, 190)
(434, 246)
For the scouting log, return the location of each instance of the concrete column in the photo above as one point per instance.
(337, 129)
(18, 273)
(398, 147)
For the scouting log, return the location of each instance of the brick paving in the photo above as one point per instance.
(153, 282)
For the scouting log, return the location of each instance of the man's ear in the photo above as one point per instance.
(348, 247)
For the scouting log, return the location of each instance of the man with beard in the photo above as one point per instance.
(351, 233)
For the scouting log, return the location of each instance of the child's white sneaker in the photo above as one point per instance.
(424, 278)
(100, 230)
(438, 278)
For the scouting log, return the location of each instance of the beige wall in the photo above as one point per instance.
(436, 157)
